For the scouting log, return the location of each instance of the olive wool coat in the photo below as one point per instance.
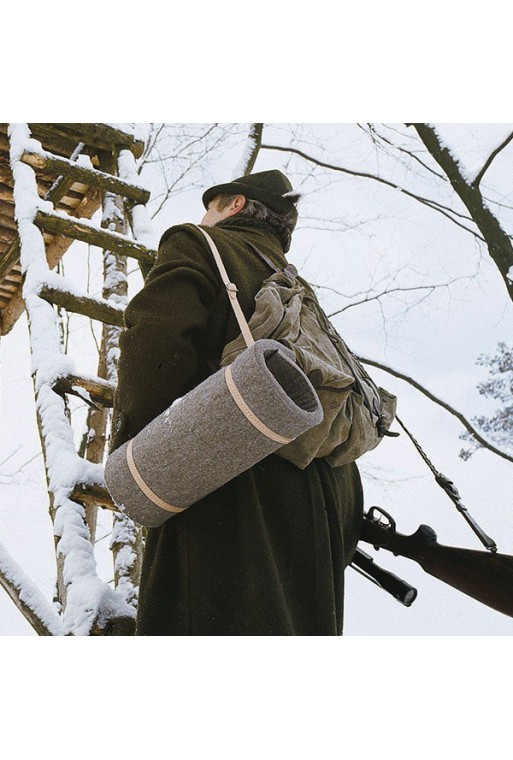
(264, 554)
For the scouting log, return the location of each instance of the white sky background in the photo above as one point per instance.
(378, 233)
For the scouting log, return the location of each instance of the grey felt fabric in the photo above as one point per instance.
(204, 440)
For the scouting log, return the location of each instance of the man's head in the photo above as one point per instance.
(265, 196)
(222, 207)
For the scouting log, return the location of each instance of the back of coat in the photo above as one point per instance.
(265, 554)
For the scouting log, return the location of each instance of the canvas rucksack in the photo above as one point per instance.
(357, 413)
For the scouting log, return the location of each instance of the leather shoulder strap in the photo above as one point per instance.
(231, 288)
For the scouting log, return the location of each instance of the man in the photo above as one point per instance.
(265, 554)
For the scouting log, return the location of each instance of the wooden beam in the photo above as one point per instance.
(97, 135)
(100, 391)
(55, 250)
(6, 192)
(5, 173)
(7, 206)
(94, 496)
(7, 222)
(74, 228)
(87, 176)
(10, 259)
(88, 307)
(61, 145)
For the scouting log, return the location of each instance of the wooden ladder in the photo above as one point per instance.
(76, 486)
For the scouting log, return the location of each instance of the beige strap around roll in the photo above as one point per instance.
(231, 288)
(248, 413)
(144, 487)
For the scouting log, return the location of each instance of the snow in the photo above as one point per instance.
(141, 224)
(125, 534)
(88, 598)
(124, 538)
(60, 282)
(91, 601)
(472, 147)
(242, 167)
(28, 593)
(134, 130)
(114, 277)
(510, 274)
(111, 213)
(84, 161)
(48, 361)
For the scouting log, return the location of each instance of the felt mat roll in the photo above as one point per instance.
(235, 418)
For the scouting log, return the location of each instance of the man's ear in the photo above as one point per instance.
(237, 204)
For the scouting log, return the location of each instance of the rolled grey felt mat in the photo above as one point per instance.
(213, 434)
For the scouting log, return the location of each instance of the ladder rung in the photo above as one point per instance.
(80, 304)
(94, 496)
(88, 176)
(70, 226)
(100, 391)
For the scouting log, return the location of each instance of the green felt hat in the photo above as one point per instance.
(271, 188)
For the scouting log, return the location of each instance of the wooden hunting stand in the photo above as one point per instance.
(53, 178)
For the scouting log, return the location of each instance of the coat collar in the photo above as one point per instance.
(243, 223)
(264, 234)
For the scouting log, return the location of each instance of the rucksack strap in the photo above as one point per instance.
(264, 258)
(290, 270)
(231, 289)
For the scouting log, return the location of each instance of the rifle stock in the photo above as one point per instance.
(486, 577)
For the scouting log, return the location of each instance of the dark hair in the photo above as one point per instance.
(282, 226)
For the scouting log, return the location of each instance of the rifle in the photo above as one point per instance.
(399, 589)
(486, 577)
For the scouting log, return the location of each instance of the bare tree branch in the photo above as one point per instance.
(491, 158)
(376, 137)
(377, 296)
(9, 456)
(444, 210)
(431, 396)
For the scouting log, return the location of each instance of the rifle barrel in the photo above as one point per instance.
(399, 589)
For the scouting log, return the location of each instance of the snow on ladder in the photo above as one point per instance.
(76, 483)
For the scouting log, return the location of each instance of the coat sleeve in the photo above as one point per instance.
(166, 324)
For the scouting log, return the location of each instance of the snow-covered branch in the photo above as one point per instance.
(497, 240)
(27, 597)
(251, 149)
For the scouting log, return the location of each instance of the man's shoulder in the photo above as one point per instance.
(187, 229)
(220, 232)
(184, 247)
